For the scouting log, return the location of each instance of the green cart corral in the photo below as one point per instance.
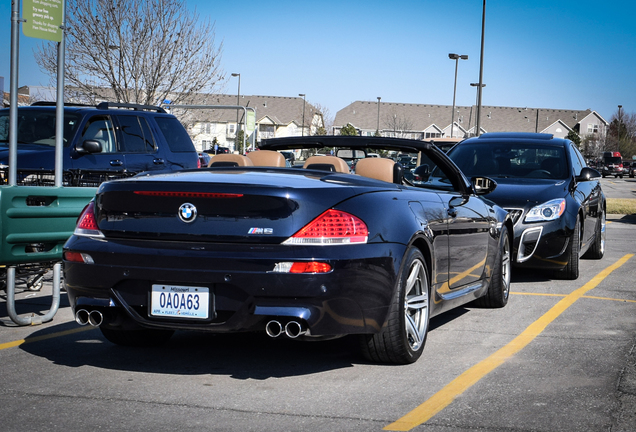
(35, 223)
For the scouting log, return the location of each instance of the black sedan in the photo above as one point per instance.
(312, 252)
(556, 201)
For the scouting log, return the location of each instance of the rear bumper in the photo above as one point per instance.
(245, 293)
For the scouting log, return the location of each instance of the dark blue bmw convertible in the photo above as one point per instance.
(310, 251)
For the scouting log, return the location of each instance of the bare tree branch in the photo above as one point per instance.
(137, 51)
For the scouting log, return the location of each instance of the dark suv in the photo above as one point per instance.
(612, 166)
(100, 143)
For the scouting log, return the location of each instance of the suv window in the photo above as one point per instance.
(176, 136)
(100, 129)
(38, 127)
(136, 136)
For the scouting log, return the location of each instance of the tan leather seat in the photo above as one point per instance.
(326, 163)
(228, 160)
(376, 168)
(268, 158)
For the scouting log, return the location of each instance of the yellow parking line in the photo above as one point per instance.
(43, 337)
(564, 295)
(445, 396)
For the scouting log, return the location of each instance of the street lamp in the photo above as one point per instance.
(477, 99)
(619, 126)
(481, 70)
(377, 131)
(455, 57)
(303, 96)
(238, 103)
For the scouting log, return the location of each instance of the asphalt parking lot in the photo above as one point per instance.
(561, 356)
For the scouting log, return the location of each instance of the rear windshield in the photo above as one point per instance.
(175, 134)
(614, 160)
(510, 160)
(37, 126)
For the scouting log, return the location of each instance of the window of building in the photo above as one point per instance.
(231, 128)
(592, 128)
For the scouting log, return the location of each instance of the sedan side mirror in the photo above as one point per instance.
(483, 185)
(421, 173)
(587, 174)
(89, 146)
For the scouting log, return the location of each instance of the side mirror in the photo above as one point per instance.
(89, 146)
(421, 173)
(483, 185)
(587, 174)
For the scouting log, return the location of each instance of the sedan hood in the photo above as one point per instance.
(521, 193)
(233, 205)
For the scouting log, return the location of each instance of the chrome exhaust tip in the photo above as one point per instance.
(95, 318)
(293, 329)
(82, 317)
(273, 328)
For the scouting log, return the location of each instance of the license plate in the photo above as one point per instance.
(179, 301)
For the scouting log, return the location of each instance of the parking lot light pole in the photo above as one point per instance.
(619, 127)
(238, 103)
(303, 127)
(377, 130)
(481, 70)
(455, 57)
(477, 99)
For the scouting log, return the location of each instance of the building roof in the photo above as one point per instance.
(364, 115)
(277, 109)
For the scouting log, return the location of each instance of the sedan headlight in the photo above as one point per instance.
(547, 211)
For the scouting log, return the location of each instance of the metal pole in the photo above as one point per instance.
(378, 128)
(481, 70)
(303, 126)
(454, 91)
(238, 103)
(13, 90)
(59, 106)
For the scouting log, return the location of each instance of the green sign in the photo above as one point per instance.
(250, 121)
(43, 19)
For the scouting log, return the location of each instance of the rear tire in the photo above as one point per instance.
(571, 270)
(137, 338)
(402, 338)
(499, 287)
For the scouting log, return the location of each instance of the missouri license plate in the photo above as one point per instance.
(179, 301)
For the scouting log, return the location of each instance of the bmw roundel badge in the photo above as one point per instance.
(187, 212)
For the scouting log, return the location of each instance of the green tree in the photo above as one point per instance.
(136, 51)
(321, 131)
(574, 137)
(238, 143)
(348, 130)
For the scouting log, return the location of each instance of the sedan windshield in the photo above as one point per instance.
(516, 160)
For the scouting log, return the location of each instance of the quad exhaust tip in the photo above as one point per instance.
(291, 329)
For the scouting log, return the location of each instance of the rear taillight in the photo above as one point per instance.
(311, 267)
(87, 224)
(79, 257)
(331, 227)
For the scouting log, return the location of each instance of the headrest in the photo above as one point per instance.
(268, 158)
(376, 168)
(227, 159)
(324, 162)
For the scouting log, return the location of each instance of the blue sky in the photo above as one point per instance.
(565, 54)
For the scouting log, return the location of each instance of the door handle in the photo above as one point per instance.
(116, 162)
(158, 161)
